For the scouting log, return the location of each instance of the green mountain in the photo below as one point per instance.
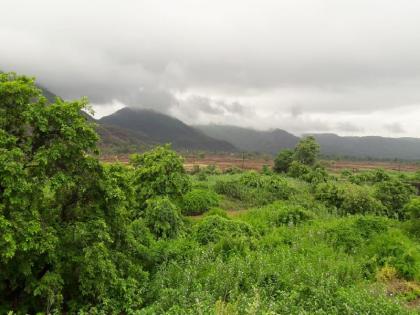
(251, 140)
(161, 128)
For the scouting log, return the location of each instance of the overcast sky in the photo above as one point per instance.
(349, 67)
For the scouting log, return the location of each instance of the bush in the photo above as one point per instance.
(230, 188)
(329, 193)
(317, 175)
(199, 201)
(159, 172)
(163, 218)
(214, 228)
(277, 214)
(351, 234)
(358, 200)
(394, 194)
(396, 250)
(298, 169)
(283, 160)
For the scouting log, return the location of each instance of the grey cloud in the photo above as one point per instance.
(348, 127)
(243, 60)
(394, 128)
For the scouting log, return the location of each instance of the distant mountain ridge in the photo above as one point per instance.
(251, 140)
(161, 128)
(374, 147)
(138, 129)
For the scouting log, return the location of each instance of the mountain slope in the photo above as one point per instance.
(369, 147)
(251, 140)
(162, 128)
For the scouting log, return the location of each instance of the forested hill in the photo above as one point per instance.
(251, 140)
(369, 147)
(162, 128)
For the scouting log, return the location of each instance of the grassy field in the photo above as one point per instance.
(294, 250)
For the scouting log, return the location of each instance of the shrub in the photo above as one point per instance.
(298, 169)
(163, 218)
(198, 201)
(329, 193)
(214, 228)
(277, 214)
(252, 180)
(358, 200)
(230, 188)
(394, 194)
(317, 175)
(396, 250)
(350, 234)
(283, 160)
(159, 172)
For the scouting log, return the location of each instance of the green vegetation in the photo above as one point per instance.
(81, 237)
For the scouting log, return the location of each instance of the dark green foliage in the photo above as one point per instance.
(329, 193)
(254, 188)
(283, 160)
(163, 218)
(394, 194)
(65, 220)
(199, 201)
(307, 151)
(412, 212)
(352, 234)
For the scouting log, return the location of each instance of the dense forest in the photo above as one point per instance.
(79, 236)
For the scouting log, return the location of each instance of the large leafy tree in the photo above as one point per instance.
(68, 237)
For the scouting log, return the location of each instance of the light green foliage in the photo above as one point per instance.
(159, 172)
(298, 169)
(198, 201)
(163, 218)
(214, 228)
(277, 214)
(358, 200)
(396, 250)
(376, 176)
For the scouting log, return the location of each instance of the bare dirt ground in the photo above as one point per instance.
(224, 162)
